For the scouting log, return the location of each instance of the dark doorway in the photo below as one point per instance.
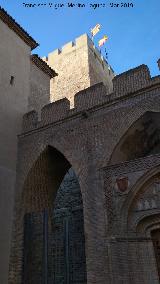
(55, 252)
(156, 243)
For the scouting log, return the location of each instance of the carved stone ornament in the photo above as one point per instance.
(150, 199)
(122, 184)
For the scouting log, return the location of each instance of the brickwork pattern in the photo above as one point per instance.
(87, 136)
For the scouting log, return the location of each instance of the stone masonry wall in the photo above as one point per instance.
(99, 70)
(14, 91)
(39, 89)
(79, 65)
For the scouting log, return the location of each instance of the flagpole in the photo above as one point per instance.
(106, 54)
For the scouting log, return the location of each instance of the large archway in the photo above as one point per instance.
(54, 239)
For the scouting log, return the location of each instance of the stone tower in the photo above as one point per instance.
(79, 65)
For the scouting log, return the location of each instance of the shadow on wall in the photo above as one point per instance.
(141, 139)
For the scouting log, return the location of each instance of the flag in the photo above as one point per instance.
(102, 41)
(95, 30)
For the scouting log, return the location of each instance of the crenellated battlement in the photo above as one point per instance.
(131, 80)
(124, 85)
(90, 97)
(68, 47)
(83, 40)
(72, 46)
(55, 111)
(60, 109)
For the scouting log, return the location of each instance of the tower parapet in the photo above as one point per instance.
(90, 97)
(131, 80)
(55, 111)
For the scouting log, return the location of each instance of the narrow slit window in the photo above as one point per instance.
(12, 80)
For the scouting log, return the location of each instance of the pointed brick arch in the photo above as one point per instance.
(76, 152)
(144, 183)
(141, 139)
(43, 179)
(40, 190)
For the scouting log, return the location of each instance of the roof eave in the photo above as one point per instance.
(12, 24)
(41, 64)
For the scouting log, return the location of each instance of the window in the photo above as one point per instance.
(12, 80)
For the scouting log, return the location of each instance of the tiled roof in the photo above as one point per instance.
(43, 65)
(12, 24)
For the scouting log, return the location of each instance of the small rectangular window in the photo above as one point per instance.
(12, 80)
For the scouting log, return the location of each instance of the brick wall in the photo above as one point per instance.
(87, 136)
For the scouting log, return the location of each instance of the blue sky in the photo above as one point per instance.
(134, 33)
